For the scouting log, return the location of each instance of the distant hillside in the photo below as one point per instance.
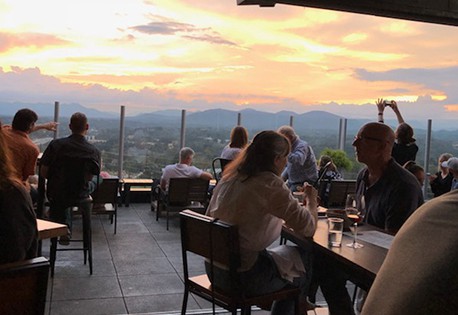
(253, 119)
(216, 118)
(47, 110)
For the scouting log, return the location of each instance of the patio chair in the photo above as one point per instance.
(183, 193)
(68, 192)
(105, 199)
(23, 286)
(218, 166)
(333, 193)
(218, 243)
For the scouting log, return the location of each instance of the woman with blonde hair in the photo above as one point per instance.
(18, 225)
(253, 196)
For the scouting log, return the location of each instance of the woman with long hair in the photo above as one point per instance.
(239, 140)
(18, 226)
(253, 196)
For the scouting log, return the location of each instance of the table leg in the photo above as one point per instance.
(126, 194)
(52, 254)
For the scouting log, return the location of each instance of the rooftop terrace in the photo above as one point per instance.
(136, 271)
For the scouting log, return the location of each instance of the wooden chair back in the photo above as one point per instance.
(23, 286)
(338, 192)
(184, 190)
(107, 191)
(212, 239)
(218, 243)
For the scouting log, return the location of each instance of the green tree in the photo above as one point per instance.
(339, 158)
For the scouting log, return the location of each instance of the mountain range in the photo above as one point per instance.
(213, 118)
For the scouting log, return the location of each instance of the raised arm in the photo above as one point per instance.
(50, 126)
(381, 107)
(395, 108)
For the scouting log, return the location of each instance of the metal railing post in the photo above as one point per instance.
(342, 133)
(183, 128)
(56, 118)
(427, 154)
(121, 142)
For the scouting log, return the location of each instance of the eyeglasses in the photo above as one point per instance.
(367, 138)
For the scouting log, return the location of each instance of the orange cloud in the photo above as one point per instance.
(451, 108)
(10, 41)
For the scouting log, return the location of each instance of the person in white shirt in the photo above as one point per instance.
(253, 196)
(239, 140)
(183, 169)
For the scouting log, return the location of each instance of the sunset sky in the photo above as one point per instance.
(200, 54)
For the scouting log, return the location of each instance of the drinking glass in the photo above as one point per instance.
(355, 216)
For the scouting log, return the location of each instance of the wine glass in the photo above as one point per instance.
(355, 216)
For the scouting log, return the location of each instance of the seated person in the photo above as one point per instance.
(70, 164)
(239, 140)
(183, 169)
(18, 225)
(253, 196)
(327, 171)
(441, 182)
(416, 170)
(330, 172)
(419, 274)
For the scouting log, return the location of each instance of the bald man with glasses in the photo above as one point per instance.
(386, 193)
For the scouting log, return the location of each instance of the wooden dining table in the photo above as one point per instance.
(48, 229)
(361, 264)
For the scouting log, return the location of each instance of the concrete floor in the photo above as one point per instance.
(136, 271)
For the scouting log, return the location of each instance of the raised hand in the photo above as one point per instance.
(380, 105)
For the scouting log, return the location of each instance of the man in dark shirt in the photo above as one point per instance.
(69, 164)
(387, 194)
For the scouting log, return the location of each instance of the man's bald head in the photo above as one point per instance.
(374, 143)
(379, 131)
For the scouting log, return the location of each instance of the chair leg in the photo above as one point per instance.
(87, 236)
(184, 306)
(157, 209)
(167, 215)
(52, 254)
(115, 218)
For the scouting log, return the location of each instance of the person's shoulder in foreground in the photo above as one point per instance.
(18, 227)
(420, 274)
